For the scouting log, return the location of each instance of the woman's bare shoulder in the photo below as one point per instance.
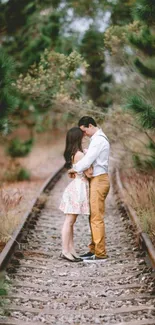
(79, 155)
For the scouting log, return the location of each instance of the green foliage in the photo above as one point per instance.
(151, 145)
(15, 14)
(146, 70)
(90, 48)
(19, 149)
(52, 29)
(14, 10)
(2, 18)
(3, 291)
(144, 111)
(145, 10)
(84, 8)
(137, 161)
(17, 173)
(134, 46)
(39, 30)
(54, 75)
(144, 40)
(23, 175)
(142, 103)
(36, 25)
(8, 101)
(46, 29)
(143, 164)
(121, 13)
(3, 287)
(116, 37)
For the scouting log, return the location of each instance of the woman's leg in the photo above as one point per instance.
(71, 243)
(67, 235)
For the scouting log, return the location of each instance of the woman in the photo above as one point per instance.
(75, 198)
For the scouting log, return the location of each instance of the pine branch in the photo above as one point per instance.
(144, 41)
(144, 165)
(141, 130)
(146, 71)
(145, 10)
(8, 101)
(151, 146)
(144, 111)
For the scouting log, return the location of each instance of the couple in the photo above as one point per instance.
(87, 192)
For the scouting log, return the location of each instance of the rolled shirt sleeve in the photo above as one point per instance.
(91, 155)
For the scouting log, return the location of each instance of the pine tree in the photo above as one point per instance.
(13, 14)
(28, 28)
(91, 50)
(8, 101)
(144, 10)
(46, 31)
(121, 13)
(143, 102)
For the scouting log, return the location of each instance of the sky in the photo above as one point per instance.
(82, 24)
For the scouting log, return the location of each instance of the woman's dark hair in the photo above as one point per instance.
(86, 120)
(73, 144)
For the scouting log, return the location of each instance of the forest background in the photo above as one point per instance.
(62, 59)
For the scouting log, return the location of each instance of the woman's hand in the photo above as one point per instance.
(89, 172)
(71, 173)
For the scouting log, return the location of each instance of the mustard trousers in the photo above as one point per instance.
(99, 188)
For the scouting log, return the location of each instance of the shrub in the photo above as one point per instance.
(19, 149)
(16, 174)
(23, 175)
(9, 200)
(3, 292)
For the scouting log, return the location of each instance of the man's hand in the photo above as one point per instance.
(89, 172)
(71, 173)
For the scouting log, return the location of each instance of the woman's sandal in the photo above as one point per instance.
(69, 259)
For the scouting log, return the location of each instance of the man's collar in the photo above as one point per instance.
(95, 134)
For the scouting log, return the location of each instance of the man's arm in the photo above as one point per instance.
(91, 155)
(71, 172)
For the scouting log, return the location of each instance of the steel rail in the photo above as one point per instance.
(14, 241)
(144, 240)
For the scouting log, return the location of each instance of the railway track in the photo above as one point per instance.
(45, 289)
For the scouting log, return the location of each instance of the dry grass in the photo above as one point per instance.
(49, 148)
(42, 199)
(9, 200)
(128, 138)
(140, 194)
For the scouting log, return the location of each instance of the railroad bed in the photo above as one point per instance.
(48, 290)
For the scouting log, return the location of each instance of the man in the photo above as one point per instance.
(98, 156)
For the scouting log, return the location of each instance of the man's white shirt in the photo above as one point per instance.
(97, 155)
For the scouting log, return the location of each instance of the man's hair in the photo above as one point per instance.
(86, 120)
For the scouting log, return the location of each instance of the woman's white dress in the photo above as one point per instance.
(75, 199)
